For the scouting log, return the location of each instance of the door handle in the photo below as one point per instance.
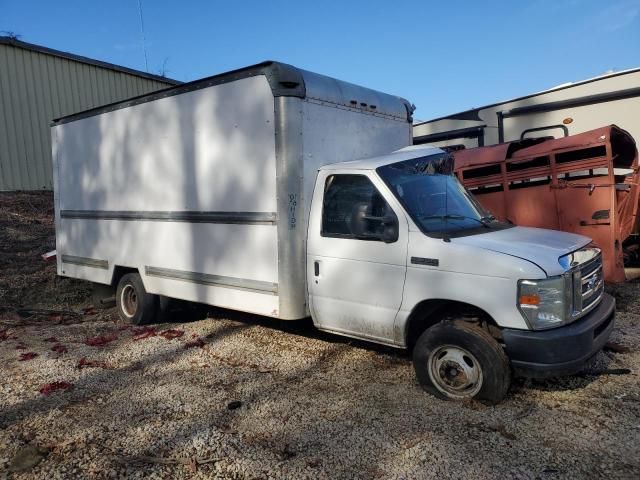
(316, 268)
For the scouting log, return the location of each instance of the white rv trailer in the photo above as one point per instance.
(565, 110)
(289, 194)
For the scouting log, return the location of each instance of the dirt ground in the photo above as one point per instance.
(217, 394)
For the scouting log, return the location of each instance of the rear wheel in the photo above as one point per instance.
(458, 360)
(134, 304)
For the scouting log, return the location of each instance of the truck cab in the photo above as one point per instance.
(400, 253)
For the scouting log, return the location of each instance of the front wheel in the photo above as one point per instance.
(458, 360)
(134, 304)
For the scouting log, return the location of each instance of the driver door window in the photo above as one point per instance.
(353, 208)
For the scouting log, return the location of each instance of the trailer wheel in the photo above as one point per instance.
(134, 304)
(457, 360)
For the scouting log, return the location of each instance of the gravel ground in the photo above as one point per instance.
(239, 396)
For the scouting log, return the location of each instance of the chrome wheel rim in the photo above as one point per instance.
(455, 372)
(129, 301)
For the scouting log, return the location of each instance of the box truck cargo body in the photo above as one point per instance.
(205, 189)
(289, 194)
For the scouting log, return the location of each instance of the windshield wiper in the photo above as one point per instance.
(484, 221)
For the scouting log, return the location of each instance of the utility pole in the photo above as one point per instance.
(144, 41)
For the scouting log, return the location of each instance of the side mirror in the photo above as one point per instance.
(391, 229)
(368, 227)
(359, 225)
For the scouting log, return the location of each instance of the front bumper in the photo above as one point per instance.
(562, 350)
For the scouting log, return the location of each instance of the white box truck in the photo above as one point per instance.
(289, 194)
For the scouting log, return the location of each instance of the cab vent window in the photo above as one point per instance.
(351, 208)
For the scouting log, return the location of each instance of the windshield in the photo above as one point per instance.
(434, 198)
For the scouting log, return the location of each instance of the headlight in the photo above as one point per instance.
(545, 303)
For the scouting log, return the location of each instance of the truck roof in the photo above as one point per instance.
(285, 81)
(406, 153)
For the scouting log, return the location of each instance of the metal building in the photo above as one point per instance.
(565, 110)
(38, 84)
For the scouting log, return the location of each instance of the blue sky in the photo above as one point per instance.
(443, 56)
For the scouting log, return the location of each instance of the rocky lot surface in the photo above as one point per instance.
(218, 394)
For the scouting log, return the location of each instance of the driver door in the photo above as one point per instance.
(355, 279)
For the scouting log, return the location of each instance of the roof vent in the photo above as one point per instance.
(289, 84)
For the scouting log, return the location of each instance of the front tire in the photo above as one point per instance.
(458, 360)
(134, 304)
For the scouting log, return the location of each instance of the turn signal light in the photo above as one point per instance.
(529, 300)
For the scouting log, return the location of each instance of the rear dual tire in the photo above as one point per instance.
(458, 360)
(134, 304)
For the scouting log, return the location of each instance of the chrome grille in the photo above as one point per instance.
(588, 286)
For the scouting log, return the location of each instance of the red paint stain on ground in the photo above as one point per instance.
(101, 340)
(53, 386)
(143, 332)
(171, 334)
(84, 363)
(27, 356)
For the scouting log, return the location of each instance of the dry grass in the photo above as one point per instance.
(26, 232)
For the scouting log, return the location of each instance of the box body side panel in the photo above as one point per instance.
(182, 188)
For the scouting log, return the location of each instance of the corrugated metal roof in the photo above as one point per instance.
(79, 58)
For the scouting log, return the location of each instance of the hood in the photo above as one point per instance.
(537, 245)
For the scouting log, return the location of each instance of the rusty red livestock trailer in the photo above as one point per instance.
(586, 183)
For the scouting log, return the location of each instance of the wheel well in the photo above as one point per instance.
(119, 272)
(429, 312)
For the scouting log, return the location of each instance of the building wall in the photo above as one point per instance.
(35, 88)
(622, 112)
